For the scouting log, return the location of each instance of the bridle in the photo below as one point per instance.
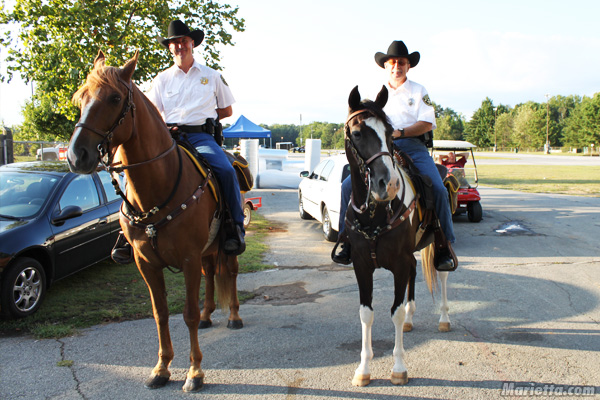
(363, 165)
(106, 157)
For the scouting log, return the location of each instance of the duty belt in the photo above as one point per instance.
(190, 128)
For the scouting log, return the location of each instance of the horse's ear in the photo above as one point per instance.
(99, 61)
(354, 99)
(129, 67)
(382, 97)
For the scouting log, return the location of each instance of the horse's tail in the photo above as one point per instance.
(224, 280)
(429, 271)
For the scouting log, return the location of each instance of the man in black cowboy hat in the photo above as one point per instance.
(193, 98)
(411, 114)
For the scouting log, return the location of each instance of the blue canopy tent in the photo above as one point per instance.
(246, 129)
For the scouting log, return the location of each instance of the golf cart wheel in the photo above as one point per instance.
(247, 214)
(474, 211)
(328, 231)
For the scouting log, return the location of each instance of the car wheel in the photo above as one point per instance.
(23, 287)
(247, 214)
(328, 231)
(474, 211)
(303, 214)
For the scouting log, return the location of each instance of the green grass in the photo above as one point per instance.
(558, 179)
(109, 292)
(24, 158)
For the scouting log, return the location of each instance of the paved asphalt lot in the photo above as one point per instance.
(524, 304)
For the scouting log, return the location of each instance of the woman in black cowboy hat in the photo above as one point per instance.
(412, 115)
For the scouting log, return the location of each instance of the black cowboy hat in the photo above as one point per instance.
(178, 29)
(397, 49)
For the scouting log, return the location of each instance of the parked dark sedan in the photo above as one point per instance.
(53, 223)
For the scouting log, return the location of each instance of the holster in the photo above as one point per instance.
(215, 128)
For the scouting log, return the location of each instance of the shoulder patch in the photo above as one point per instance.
(427, 100)
(223, 79)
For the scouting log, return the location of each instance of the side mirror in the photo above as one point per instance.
(67, 213)
(304, 174)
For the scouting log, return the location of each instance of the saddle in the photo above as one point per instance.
(243, 174)
(429, 226)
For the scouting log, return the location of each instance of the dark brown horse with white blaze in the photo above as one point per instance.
(382, 223)
(167, 196)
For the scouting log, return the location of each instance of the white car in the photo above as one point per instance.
(320, 192)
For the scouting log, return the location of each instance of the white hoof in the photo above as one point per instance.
(361, 380)
(444, 327)
(399, 378)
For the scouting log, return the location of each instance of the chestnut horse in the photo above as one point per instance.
(169, 212)
(382, 224)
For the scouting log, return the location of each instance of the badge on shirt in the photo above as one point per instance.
(223, 79)
(427, 100)
(411, 101)
(204, 81)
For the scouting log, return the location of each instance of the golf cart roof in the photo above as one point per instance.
(452, 145)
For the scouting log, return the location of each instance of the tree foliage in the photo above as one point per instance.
(54, 42)
(450, 124)
(480, 129)
(582, 127)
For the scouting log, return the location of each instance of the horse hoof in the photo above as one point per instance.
(407, 327)
(361, 380)
(193, 385)
(399, 378)
(444, 327)
(205, 324)
(156, 382)
(235, 324)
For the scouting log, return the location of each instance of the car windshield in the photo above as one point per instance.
(22, 194)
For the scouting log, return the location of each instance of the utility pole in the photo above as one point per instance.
(547, 149)
(495, 130)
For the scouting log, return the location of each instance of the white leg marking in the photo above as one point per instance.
(362, 374)
(410, 311)
(444, 325)
(398, 319)
(399, 372)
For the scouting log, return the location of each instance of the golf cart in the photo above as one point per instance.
(468, 199)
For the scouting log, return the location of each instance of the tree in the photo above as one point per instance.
(450, 124)
(328, 132)
(530, 125)
(582, 127)
(504, 129)
(480, 129)
(55, 41)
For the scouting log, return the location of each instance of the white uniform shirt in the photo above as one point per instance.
(407, 105)
(189, 99)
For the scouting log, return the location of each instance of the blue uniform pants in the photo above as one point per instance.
(206, 145)
(422, 159)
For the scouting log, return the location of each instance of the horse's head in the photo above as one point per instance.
(105, 101)
(369, 144)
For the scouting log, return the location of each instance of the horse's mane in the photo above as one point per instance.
(100, 76)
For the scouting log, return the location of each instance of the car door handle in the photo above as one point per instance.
(103, 221)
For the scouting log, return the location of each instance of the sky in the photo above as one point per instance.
(297, 62)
